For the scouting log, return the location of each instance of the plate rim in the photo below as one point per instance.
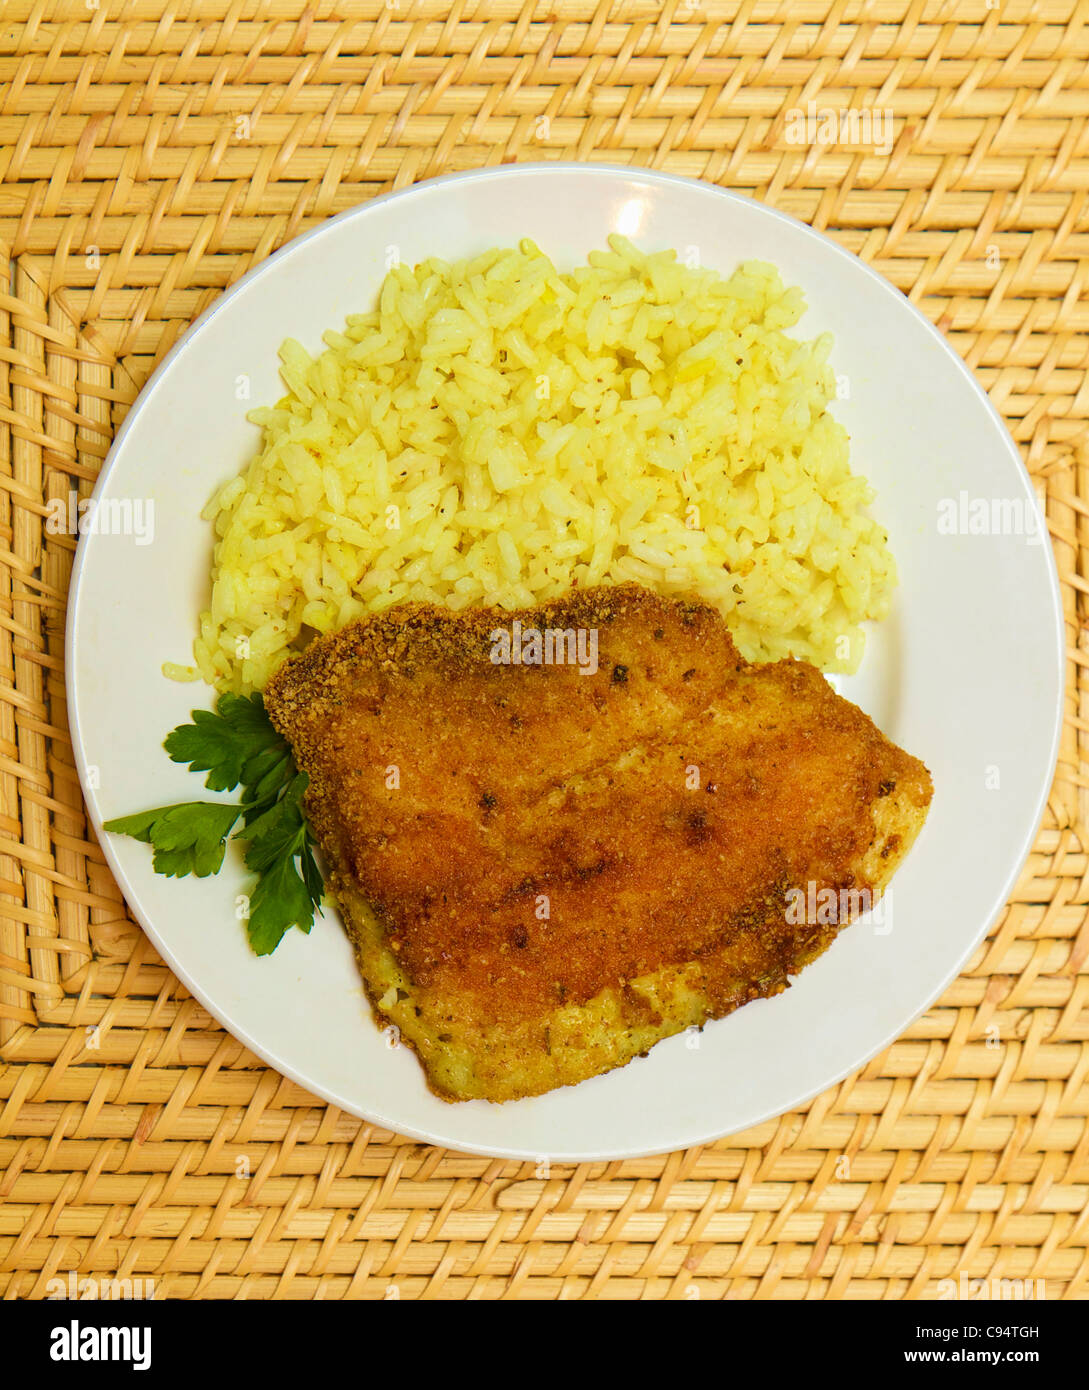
(511, 172)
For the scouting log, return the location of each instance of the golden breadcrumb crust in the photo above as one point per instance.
(545, 871)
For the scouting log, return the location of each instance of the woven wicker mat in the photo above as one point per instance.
(151, 154)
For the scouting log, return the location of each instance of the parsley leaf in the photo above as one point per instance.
(232, 745)
(279, 901)
(278, 830)
(189, 838)
(237, 744)
(285, 895)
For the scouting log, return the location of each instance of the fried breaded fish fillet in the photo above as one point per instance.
(545, 869)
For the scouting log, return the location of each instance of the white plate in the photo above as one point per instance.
(966, 674)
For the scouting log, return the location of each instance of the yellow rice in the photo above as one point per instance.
(495, 432)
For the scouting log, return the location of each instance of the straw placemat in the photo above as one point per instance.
(154, 152)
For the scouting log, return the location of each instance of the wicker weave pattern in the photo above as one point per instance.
(150, 154)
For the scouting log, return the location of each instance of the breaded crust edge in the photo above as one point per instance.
(503, 1061)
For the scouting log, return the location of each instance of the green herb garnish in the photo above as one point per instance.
(187, 839)
(238, 745)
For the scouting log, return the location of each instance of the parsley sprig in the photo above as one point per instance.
(237, 745)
